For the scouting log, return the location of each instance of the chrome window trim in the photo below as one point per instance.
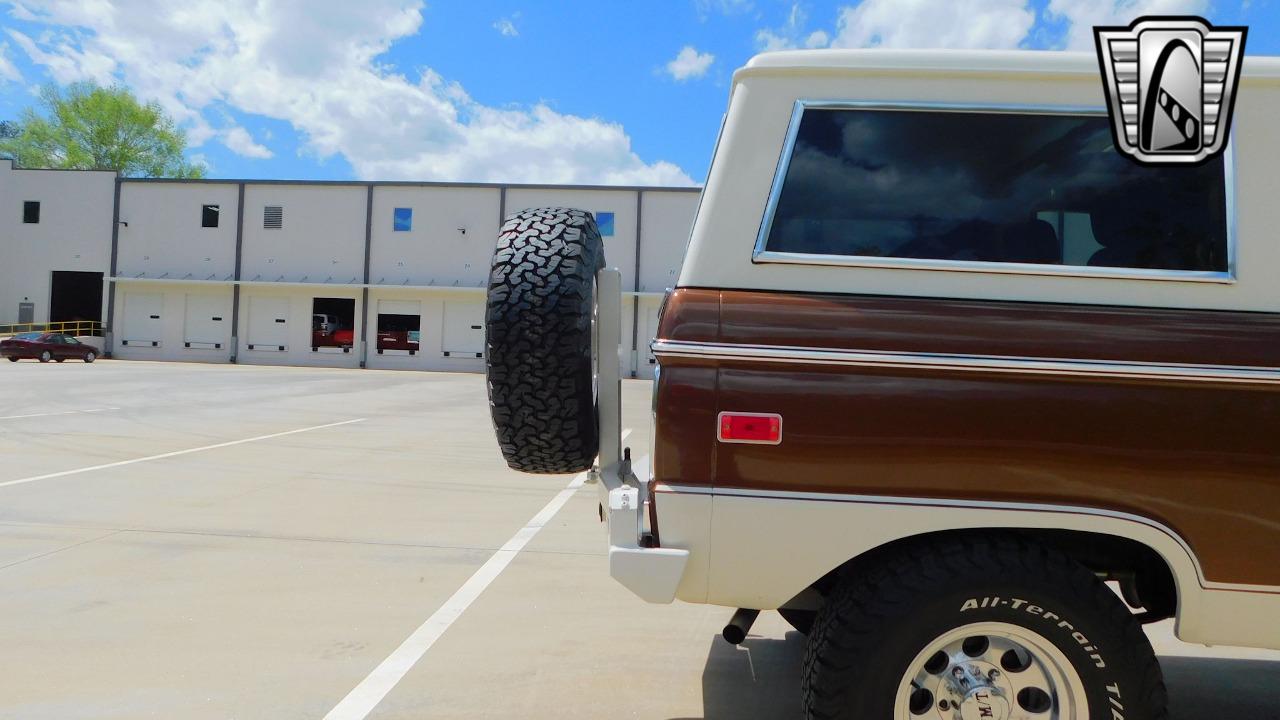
(760, 255)
(969, 363)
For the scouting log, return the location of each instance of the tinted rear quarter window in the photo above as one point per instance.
(991, 187)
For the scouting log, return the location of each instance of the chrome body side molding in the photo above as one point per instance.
(1076, 367)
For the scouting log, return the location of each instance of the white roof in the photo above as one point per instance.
(958, 61)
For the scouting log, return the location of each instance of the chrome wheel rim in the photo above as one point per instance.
(991, 670)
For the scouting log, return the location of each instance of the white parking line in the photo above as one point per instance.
(365, 697)
(175, 453)
(51, 414)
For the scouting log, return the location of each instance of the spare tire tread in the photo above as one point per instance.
(538, 340)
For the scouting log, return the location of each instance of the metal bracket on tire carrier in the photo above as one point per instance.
(609, 378)
(651, 573)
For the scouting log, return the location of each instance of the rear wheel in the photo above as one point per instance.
(59, 359)
(538, 340)
(979, 627)
(13, 358)
(90, 356)
(46, 356)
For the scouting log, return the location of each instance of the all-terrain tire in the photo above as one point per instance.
(874, 626)
(538, 340)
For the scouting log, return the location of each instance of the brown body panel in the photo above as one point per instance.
(1198, 456)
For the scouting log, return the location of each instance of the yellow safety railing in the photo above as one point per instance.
(80, 328)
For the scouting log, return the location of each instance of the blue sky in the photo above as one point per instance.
(510, 91)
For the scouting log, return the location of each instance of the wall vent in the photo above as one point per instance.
(273, 217)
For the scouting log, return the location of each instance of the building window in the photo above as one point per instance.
(402, 220)
(892, 186)
(273, 217)
(31, 211)
(604, 221)
(209, 216)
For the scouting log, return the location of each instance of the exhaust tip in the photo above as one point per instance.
(739, 625)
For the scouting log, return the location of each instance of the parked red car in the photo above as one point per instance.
(398, 340)
(45, 347)
(332, 338)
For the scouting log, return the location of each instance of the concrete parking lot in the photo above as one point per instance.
(205, 541)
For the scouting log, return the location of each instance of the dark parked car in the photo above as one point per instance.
(45, 347)
(398, 340)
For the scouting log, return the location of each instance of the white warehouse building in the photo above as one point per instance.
(340, 274)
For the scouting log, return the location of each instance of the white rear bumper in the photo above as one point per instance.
(651, 573)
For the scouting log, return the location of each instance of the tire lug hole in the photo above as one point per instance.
(1034, 700)
(921, 701)
(1014, 661)
(975, 646)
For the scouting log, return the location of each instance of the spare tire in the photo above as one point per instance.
(538, 340)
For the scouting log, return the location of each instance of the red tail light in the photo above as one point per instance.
(755, 428)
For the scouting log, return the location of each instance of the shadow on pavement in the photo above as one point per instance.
(1220, 688)
(760, 680)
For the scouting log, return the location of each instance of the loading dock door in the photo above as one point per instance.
(268, 324)
(463, 334)
(75, 296)
(142, 324)
(399, 327)
(208, 317)
(399, 307)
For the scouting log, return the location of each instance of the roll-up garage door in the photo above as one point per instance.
(268, 324)
(207, 321)
(399, 307)
(463, 329)
(143, 326)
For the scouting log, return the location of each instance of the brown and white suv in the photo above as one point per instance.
(940, 362)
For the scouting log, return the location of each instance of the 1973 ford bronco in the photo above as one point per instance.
(941, 362)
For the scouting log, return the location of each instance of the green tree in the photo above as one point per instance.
(87, 127)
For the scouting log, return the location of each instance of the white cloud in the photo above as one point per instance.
(239, 141)
(1082, 15)
(507, 26)
(934, 24)
(316, 66)
(817, 39)
(791, 34)
(689, 63)
(64, 62)
(724, 7)
(8, 71)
